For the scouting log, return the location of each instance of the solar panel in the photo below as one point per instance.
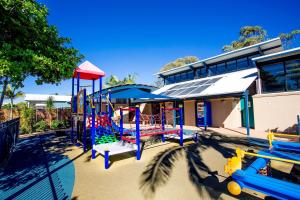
(199, 89)
(213, 80)
(175, 92)
(187, 91)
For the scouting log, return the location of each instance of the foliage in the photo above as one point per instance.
(56, 124)
(12, 94)
(49, 108)
(26, 119)
(248, 35)
(29, 46)
(114, 80)
(287, 38)
(40, 126)
(179, 62)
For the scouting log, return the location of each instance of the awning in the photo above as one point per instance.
(136, 94)
(88, 71)
(225, 84)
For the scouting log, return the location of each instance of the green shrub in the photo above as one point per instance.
(40, 126)
(26, 119)
(57, 124)
(66, 123)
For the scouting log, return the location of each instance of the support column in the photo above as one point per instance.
(93, 133)
(137, 128)
(298, 123)
(84, 120)
(100, 94)
(72, 107)
(93, 90)
(181, 124)
(78, 82)
(205, 115)
(246, 95)
(121, 123)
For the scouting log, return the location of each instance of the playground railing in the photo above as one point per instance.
(9, 131)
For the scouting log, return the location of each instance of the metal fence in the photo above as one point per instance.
(9, 131)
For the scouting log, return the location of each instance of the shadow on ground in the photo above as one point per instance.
(38, 169)
(207, 183)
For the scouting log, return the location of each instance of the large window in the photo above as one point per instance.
(242, 63)
(231, 66)
(273, 79)
(221, 68)
(281, 76)
(201, 72)
(293, 74)
(212, 70)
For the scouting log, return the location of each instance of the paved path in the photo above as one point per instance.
(38, 169)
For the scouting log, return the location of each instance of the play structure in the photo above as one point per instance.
(106, 134)
(255, 176)
(283, 145)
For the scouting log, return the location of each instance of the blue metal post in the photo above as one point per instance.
(78, 82)
(93, 90)
(109, 108)
(246, 94)
(205, 115)
(100, 94)
(121, 124)
(181, 124)
(84, 120)
(137, 129)
(106, 159)
(93, 133)
(162, 118)
(72, 120)
(298, 124)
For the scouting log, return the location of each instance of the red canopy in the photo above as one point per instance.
(88, 71)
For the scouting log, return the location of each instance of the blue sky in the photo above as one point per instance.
(124, 37)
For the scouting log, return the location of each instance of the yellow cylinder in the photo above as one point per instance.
(234, 188)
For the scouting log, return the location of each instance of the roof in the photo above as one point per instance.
(135, 93)
(44, 98)
(286, 53)
(88, 71)
(269, 46)
(225, 84)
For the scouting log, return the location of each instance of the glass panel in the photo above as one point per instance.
(212, 70)
(273, 78)
(242, 63)
(199, 89)
(231, 66)
(177, 78)
(190, 75)
(293, 74)
(183, 76)
(221, 68)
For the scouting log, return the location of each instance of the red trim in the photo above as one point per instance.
(171, 109)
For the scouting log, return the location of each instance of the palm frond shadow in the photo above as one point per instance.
(159, 171)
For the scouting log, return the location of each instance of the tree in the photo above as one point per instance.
(287, 38)
(114, 80)
(49, 108)
(179, 62)
(250, 35)
(29, 46)
(12, 94)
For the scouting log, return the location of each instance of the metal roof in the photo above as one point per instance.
(44, 98)
(225, 84)
(290, 52)
(263, 46)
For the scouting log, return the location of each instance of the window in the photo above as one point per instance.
(212, 70)
(273, 77)
(183, 77)
(177, 78)
(201, 72)
(242, 63)
(190, 75)
(231, 66)
(292, 74)
(169, 80)
(221, 68)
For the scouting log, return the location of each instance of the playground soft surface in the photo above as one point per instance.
(165, 171)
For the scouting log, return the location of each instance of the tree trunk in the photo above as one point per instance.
(11, 108)
(3, 91)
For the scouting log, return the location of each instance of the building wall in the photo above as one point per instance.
(277, 111)
(226, 113)
(189, 113)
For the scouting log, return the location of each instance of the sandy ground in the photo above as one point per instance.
(165, 171)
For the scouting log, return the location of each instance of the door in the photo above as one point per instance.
(251, 113)
(203, 107)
